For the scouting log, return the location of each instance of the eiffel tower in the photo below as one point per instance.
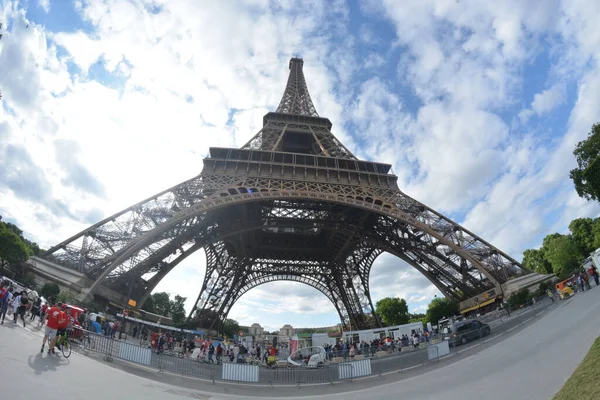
(292, 204)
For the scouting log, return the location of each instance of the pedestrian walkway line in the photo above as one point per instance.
(526, 321)
(493, 337)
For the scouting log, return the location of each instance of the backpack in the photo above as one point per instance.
(62, 318)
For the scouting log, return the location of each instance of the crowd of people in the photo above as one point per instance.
(14, 303)
(366, 348)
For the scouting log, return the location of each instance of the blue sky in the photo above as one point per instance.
(477, 106)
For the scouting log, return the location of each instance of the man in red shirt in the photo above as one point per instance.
(51, 327)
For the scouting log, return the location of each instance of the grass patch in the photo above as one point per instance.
(582, 385)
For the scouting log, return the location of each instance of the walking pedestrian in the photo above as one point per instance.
(5, 302)
(21, 308)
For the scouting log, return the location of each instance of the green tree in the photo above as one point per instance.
(66, 297)
(28, 279)
(162, 303)
(392, 311)
(586, 176)
(50, 289)
(149, 305)
(596, 234)
(230, 327)
(177, 309)
(582, 231)
(13, 250)
(535, 260)
(518, 299)
(561, 252)
(35, 249)
(439, 308)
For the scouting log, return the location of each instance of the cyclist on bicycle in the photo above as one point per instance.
(51, 317)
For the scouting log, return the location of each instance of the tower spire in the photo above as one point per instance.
(296, 99)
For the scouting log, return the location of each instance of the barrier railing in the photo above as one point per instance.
(299, 375)
(369, 364)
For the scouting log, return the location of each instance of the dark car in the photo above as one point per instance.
(464, 331)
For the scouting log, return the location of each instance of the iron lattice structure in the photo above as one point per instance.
(292, 204)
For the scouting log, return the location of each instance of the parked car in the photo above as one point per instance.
(464, 331)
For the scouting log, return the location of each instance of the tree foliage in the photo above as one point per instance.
(230, 327)
(392, 311)
(439, 308)
(13, 250)
(67, 297)
(582, 231)
(518, 299)
(586, 176)
(563, 254)
(177, 309)
(535, 260)
(50, 289)
(161, 303)
(33, 246)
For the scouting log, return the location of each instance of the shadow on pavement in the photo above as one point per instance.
(44, 363)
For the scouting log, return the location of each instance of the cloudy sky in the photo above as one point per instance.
(477, 105)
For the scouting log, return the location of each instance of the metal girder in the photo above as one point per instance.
(296, 99)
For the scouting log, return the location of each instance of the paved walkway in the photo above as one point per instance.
(531, 363)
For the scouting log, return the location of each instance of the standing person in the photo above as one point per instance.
(16, 305)
(219, 353)
(594, 273)
(579, 282)
(21, 307)
(5, 300)
(8, 298)
(211, 352)
(51, 319)
(3, 291)
(35, 308)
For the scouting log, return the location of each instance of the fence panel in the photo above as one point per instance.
(135, 354)
(438, 350)
(240, 372)
(354, 369)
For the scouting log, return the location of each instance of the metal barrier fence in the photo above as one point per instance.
(377, 363)
(240, 372)
(299, 375)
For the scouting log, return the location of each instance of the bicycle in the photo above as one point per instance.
(85, 338)
(63, 343)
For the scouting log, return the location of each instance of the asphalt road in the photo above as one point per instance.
(531, 363)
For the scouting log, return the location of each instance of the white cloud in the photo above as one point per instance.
(549, 99)
(44, 5)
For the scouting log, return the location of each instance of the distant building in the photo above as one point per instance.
(256, 330)
(286, 331)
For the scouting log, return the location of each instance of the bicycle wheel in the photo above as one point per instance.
(88, 343)
(66, 349)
